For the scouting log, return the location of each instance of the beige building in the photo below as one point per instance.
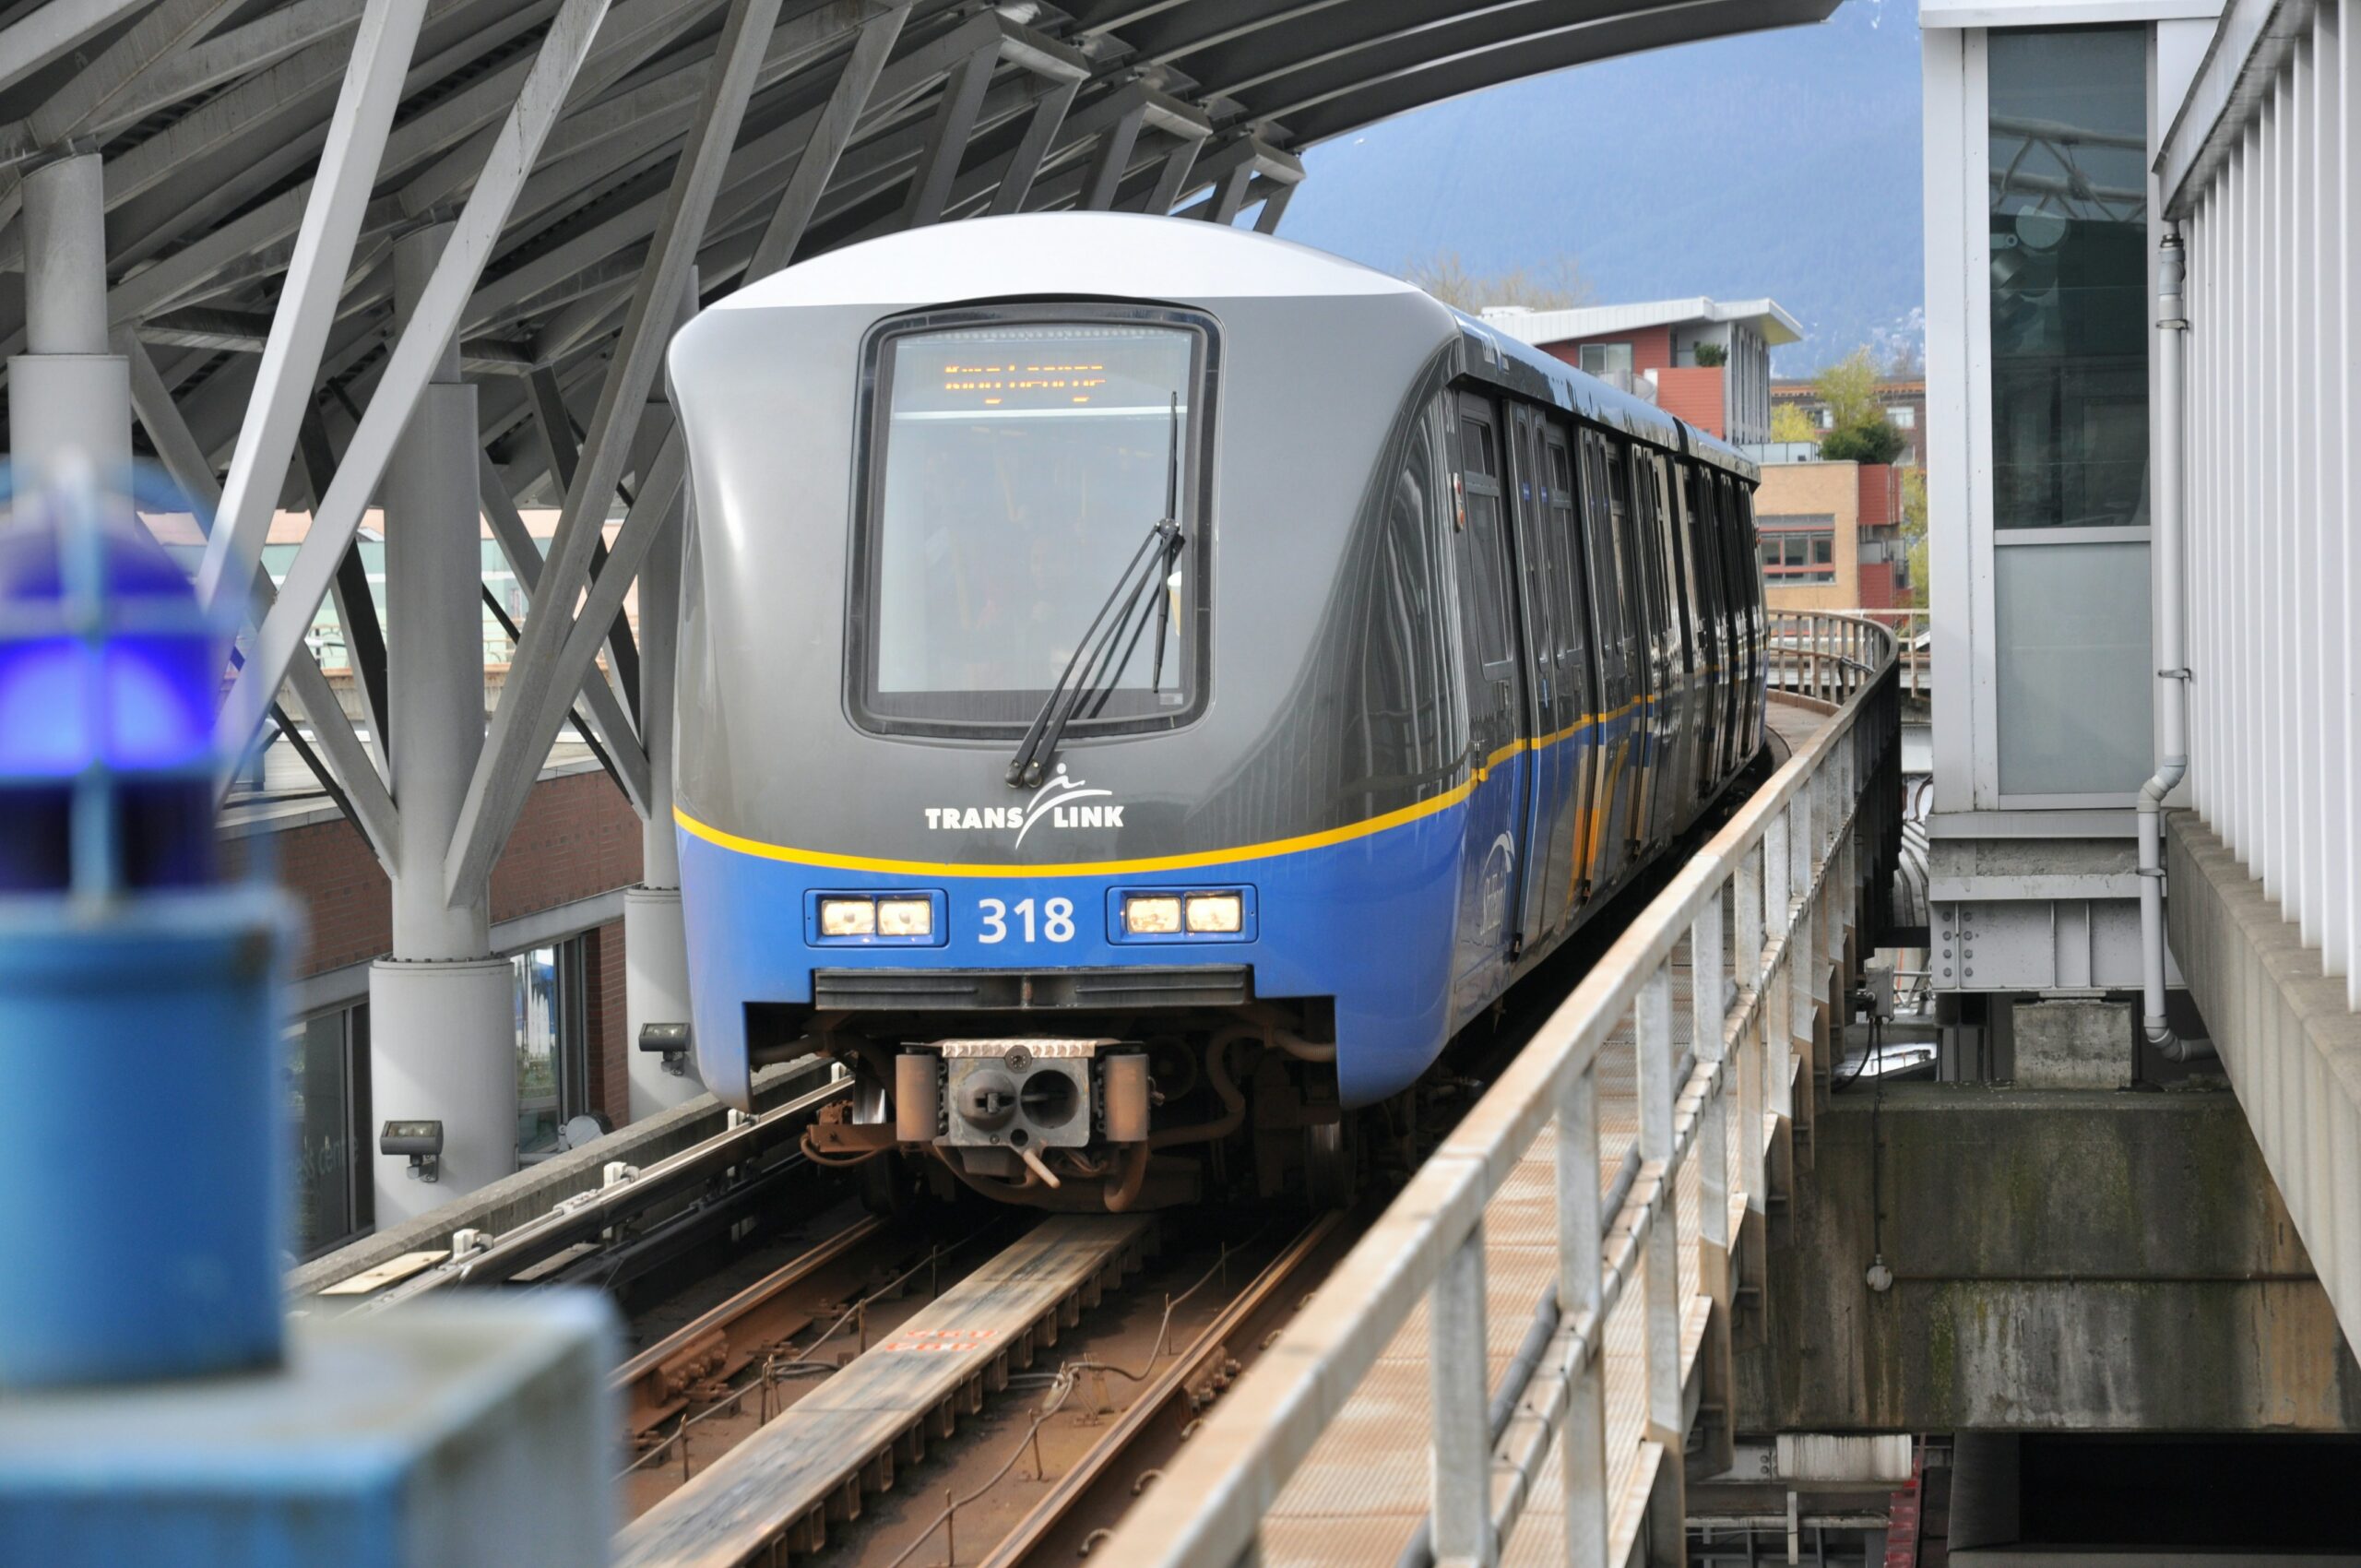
(1828, 536)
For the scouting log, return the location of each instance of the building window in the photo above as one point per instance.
(552, 1045)
(2068, 258)
(1902, 416)
(1823, 418)
(327, 1099)
(1607, 360)
(1798, 548)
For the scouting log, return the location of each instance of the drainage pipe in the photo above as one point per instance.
(2171, 648)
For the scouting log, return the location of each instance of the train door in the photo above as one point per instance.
(1666, 672)
(1497, 707)
(1705, 560)
(1577, 676)
(1739, 571)
(1757, 620)
(1617, 623)
(1551, 709)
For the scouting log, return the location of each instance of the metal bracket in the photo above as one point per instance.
(2182, 674)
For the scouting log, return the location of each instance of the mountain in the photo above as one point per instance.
(1781, 163)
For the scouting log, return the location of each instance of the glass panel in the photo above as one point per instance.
(1607, 359)
(2073, 666)
(539, 1016)
(319, 1107)
(2069, 124)
(1024, 465)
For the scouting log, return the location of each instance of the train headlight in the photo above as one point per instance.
(906, 917)
(1153, 914)
(847, 917)
(1217, 912)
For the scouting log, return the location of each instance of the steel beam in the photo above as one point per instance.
(816, 165)
(954, 121)
(1033, 148)
(364, 796)
(51, 31)
(423, 344)
(565, 650)
(91, 91)
(364, 114)
(526, 709)
(603, 715)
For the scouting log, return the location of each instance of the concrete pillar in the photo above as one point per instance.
(656, 944)
(66, 393)
(442, 1010)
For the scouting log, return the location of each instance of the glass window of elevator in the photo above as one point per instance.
(2068, 127)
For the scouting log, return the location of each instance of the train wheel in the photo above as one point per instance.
(1327, 1166)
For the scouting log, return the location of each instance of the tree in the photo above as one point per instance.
(1709, 355)
(1558, 285)
(1877, 442)
(1849, 387)
(1914, 531)
(1858, 432)
(1790, 422)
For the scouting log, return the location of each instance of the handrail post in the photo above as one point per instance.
(1752, 1176)
(1711, 1016)
(1653, 1054)
(1460, 1446)
(1583, 1444)
(1778, 916)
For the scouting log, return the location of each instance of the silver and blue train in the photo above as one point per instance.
(1144, 686)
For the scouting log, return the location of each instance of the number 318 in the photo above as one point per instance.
(1057, 919)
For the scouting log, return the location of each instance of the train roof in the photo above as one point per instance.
(1074, 252)
(1495, 356)
(1059, 253)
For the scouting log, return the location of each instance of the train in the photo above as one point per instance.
(1145, 685)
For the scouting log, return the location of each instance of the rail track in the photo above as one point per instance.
(768, 1429)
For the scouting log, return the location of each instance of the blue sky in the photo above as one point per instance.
(1783, 164)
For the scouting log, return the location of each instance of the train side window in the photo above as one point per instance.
(1572, 637)
(1704, 534)
(1486, 552)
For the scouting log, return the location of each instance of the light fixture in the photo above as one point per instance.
(1153, 914)
(906, 917)
(1215, 913)
(847, 917)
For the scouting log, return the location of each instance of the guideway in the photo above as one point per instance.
(811, 1463)
(1368, 1426)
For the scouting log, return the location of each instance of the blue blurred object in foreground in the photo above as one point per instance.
(141, 1154)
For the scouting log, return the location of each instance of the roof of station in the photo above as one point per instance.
(213, 116)
(1765, 316)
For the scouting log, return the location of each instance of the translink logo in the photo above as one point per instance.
(1053, 803)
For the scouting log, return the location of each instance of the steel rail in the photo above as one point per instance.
(1160, 1404)
(589, 1215)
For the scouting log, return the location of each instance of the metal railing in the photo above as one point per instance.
(1770, 899)
(1798, 652)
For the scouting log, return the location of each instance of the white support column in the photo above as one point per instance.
(442, 1008)
(655, 942)
(67, 394)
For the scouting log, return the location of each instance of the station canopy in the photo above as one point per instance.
(740, 133)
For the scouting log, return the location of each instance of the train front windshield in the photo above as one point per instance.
(1015, 469)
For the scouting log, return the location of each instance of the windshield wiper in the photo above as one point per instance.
(1094, 656)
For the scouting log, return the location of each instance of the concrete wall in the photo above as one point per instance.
(2062, 1259)
(2289, 1041)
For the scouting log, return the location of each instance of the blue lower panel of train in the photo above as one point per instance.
(1371, 920)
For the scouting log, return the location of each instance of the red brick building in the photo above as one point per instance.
(1698, 359)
